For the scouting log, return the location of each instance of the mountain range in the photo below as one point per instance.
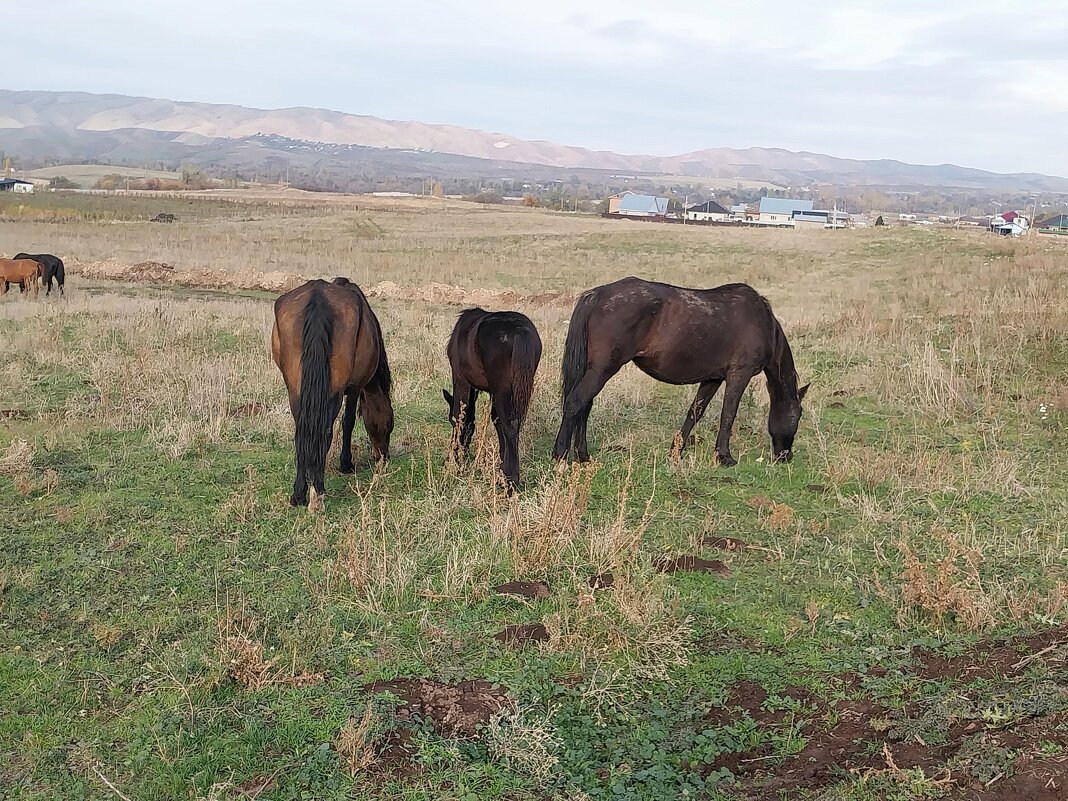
(79, 125)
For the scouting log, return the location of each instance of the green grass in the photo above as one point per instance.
(148, 532)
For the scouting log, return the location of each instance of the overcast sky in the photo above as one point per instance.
(979, 83)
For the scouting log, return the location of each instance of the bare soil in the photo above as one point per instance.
(454, 710)
(521, 634)
(601, 581)
(724, 543)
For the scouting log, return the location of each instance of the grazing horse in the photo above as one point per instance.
(328, 344)
(51, 267)
(679, 336)
(24, 272)
(498, 353)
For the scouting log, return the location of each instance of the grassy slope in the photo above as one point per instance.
(147, 546)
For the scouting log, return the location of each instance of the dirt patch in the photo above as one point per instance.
(691, 564)
(521, 634)
(1009, 657)
(724, 543)
(455, 710)
(836, 405)
(13, 414)
(818, 488)
(254, 787)
(601, 581)
(535, 590)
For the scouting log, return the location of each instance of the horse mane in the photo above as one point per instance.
(781, 369)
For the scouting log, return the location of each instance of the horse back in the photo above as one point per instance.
(355, 334)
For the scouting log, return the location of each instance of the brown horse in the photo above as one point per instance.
(498, 353)
(328, 344)
(24, 272)
(679, 336)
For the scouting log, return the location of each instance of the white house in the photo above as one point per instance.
(780, 210)
(1010, 223)
(15, 185)
(631, 204)
(820, 218)
(708, 211)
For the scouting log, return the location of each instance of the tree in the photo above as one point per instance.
(879, 220)
(62, 182)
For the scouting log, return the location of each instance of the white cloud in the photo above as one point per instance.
(912, 79)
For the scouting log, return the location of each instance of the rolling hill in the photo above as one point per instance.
(78, 125)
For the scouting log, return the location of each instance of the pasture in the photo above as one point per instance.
(884, 617)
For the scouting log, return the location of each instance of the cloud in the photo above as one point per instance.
(912, 80)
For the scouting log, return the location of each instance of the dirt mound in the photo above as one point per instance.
(691, 564)
(455, 710)
(601, 581)
(521, 634)
(160, 273)
(535, 590)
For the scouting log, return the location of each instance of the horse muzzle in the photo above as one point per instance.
(783, 456)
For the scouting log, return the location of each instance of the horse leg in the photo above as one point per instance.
(506, 421)
(300, 483)
(732, 396)
(705, 393)
(467, 427)
(377, 413)
(318, 479)
(580, 400)
(352, 399)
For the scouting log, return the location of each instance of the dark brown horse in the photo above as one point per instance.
(51, 267)
(328, 344)
(24, 272)
(679, 336)
(498, 353)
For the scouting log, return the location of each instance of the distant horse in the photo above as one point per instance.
(24, 272)
(679, 336)
(328, 344)
(498, 353)
(51, 267)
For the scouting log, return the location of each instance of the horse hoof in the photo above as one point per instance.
(298, 500)
(347, 469)
(315, 502)
(726, 461)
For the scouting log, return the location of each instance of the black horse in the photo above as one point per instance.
(498, 353)
(51, 267)
(679, 336)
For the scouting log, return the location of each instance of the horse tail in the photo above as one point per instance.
(59, 272)
(576, 345)
(526, 353)
(314, 421)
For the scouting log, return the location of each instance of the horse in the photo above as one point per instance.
(498, 353)
(51, 267)
(328, 344)
(24, 272)
(679, 336)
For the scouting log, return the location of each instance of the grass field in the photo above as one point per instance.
(884, 618)
(86, 175)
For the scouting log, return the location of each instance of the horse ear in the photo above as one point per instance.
(448, 397)
(801, 392)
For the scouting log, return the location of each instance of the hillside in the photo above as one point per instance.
(82, 125)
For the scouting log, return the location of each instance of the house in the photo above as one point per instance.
(1010, 223)
(630, 204)
(15, 185)
(820, 218)
(779, 210)
(710, 211)
(1058, 223)
(971, 222)
(743, 212)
